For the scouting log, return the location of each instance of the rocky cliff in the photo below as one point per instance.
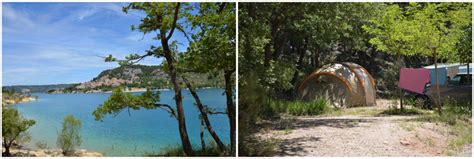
(137, 77)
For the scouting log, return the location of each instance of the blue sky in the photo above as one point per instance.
(56, 43)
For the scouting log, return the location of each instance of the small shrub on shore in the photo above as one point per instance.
(69, 138)
(14, 129)
(316, 107)
(41, 145)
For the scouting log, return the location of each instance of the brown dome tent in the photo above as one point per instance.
(342, 84)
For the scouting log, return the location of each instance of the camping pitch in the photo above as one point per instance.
(343, 84)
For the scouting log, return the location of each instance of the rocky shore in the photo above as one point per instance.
(19, 99)
(52, 153)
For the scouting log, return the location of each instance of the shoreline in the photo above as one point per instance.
(132, 90)
(23, 99)
(22, 152)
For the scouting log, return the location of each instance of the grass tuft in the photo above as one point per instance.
(177, 151)
(316, 107)
(404, 111)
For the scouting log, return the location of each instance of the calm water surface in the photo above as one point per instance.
(123, 135)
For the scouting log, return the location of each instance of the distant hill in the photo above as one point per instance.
(35, 88)
(139, 76)
(132, 77)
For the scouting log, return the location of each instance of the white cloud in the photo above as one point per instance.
(57, 46)
(15, 18)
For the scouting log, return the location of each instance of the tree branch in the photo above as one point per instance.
(185, 34)
(169, 110)
(176, 11)
(131, 62)
(214, 113)
(221, 7)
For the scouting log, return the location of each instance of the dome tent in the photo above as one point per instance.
(342, 84)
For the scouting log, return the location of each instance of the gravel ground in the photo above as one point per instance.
(467, 151)
(360, 136)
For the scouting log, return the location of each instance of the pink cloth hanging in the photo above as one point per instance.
(414, 79)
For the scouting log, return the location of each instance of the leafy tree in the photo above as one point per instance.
(70, 136)
(164, 19)
(13, 127)
(120, 100)
(464, 48)
(393, 33)
(439, 27)
(213, 50)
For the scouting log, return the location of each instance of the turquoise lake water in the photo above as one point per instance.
(143, 131)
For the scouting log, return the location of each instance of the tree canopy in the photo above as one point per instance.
(211, 36)
(13, 127)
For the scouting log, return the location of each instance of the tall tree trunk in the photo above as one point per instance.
(7, 149)
(267, 55)
(469, 80)
(183, 133)
(203, 112)
(299, 65)
(203, 143)
(436, 81)
(400, 91)
(274, 32)
(468, 75)
(230, 107)
(316, 59)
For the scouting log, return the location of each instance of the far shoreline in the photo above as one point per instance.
(132, 90)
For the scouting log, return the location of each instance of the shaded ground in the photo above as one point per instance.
(360, 132)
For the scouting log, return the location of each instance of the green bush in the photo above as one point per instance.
(69, 137)
(41, 145)
(316, 107)
(14, 129)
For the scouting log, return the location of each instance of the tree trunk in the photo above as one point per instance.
(187, 148)
(7, 150)
(316, 59)
(469, 80)
(203, 112)
(230, 107)
(203, 143)
(468, 75)
(436, 81)
(299, 65)
(267, 55)
(400, 91)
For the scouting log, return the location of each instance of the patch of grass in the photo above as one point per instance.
(404, 111)
(409, 101)
(462, 132)
(457, 116)
(429, 142)
(258, 147)
(356, 111)
(417, 136)
(316, 107)
(408, 126)
(177, 151)
(287, 131)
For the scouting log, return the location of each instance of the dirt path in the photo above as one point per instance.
(358, 136)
